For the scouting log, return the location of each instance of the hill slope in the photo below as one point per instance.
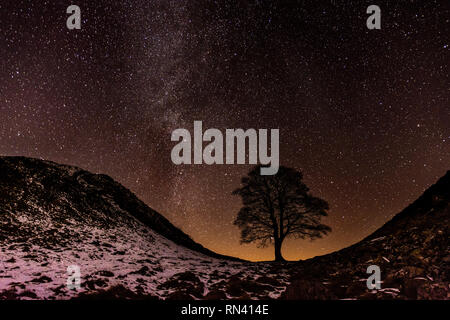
(43, 189)
(412, 251)
(54, 216)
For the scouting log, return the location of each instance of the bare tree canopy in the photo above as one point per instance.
(278, 206)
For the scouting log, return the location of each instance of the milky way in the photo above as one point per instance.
(364, 113)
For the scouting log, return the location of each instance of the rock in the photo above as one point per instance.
(12, 294)
(105, 273)
(269, 281)
(308, 290)
(412, 271)
(43, 279)
(28, 294)
(118, 292)
(237, 286)
(234, 287)
(179, 295)
(244, 296)
(215, 295)
(255, 286)
(391, 280)
(93, 284)
(186, 276)
(434, 291)
(356, 288)
(144, 271)
(410, 287)
(185, 282)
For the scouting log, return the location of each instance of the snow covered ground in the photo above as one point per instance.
(140, 260)
(54, 216)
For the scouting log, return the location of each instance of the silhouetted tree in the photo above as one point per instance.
(278, 206)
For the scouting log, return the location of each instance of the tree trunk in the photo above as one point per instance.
(278, 256)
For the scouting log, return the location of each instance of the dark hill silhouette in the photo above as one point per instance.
(429, 208)
(412, 250)
(71, 192)
(52, 216)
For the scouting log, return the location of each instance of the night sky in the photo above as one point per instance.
(365, 114)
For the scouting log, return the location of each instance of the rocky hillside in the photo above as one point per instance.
(412, 251)
(43, 190)
(54, 216)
